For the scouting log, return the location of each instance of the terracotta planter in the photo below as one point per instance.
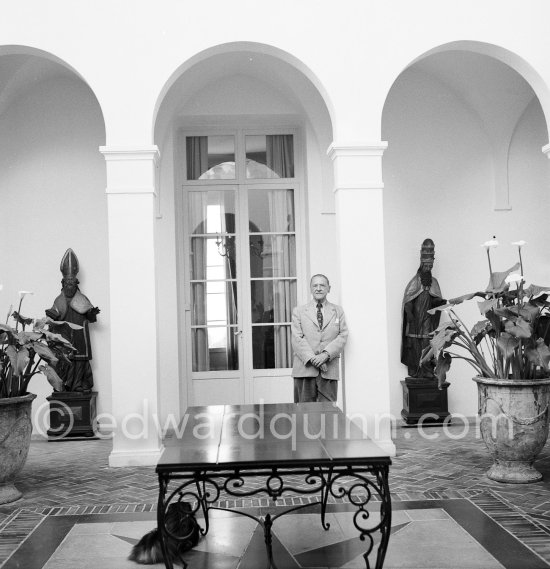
(514, 426)
(15, 439)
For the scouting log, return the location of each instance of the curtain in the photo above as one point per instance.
(281, 212)
(197, 156)
(280, 154)
(198, 202)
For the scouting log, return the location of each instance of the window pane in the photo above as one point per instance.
(273, 300)
(271, 347)
(272, 256)
(270, 156)
(210, 157)
(215, 349)
(212, 212)
(214, 303)
(213, 258)
(271, 210)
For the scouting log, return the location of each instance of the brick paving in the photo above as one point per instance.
(73, 477)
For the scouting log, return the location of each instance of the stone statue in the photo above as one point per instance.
(421, 294)
(72, 306)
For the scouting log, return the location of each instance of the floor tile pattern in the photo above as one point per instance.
(73, 477)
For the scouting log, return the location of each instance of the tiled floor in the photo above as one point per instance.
(78, 513)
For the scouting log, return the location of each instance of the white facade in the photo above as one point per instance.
(416, 119)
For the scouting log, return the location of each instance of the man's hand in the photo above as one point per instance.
(319, 359)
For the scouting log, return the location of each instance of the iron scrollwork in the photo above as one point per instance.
(204, 490)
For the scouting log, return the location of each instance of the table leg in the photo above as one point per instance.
(201, 494)
(268, 522)
(161, 510)
(379, 487)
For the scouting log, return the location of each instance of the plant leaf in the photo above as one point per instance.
(18, 359)
(497, 281)
(507, 343)
(26, 337)
(480, 330)
(487, 305)
(44, 352)
(57, 338)
(535, 290)
(539, 355)
(52, 377)
(519, 329)
(442, 366)
(454, 301)
(61, 322)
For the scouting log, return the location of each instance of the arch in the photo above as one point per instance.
(14, 49)
(513, 60)
(250, 48)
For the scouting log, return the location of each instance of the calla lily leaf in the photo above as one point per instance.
(534, 290)
(61, 322)
(44, 352)
(487, 305)
(507, 344)
(497, 282)
(18, 359)
(519, 329)
(540, 355)
(52, 377)
(480, 330)
(8, 329)
(441, 368)
(528, 311)
(26, 337)
(52, 337)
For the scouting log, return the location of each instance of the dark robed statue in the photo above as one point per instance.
(421, 294)
(72, 306)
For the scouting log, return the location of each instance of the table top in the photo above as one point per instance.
(219, 437)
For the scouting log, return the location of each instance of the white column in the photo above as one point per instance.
(360, 232)
(131, 215)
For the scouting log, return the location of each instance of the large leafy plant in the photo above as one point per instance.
(30, 348)
(510, 342)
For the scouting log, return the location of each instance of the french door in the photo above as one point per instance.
(240, 266)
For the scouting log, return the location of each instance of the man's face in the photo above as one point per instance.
(319, 288)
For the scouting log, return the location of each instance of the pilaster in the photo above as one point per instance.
(131, 175)
(358, 190)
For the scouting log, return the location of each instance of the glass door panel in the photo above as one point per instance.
(213, 281)
(273, 282)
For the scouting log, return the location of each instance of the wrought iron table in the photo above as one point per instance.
(219, 447)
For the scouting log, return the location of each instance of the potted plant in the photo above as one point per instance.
(509, 352)
(27, 349)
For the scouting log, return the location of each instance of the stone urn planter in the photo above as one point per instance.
(514, 420)
(15, 439)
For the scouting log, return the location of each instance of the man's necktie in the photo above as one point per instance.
(320, 315)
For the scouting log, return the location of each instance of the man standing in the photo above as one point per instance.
(319, 334)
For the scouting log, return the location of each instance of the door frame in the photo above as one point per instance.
(239, 129)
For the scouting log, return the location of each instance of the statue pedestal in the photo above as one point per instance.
(423, 402)
(72, 414)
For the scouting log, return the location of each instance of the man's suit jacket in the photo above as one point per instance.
(308, 340)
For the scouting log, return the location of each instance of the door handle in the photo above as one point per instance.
(238, 333)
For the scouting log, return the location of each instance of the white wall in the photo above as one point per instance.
(52, 191)
(439, 183)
